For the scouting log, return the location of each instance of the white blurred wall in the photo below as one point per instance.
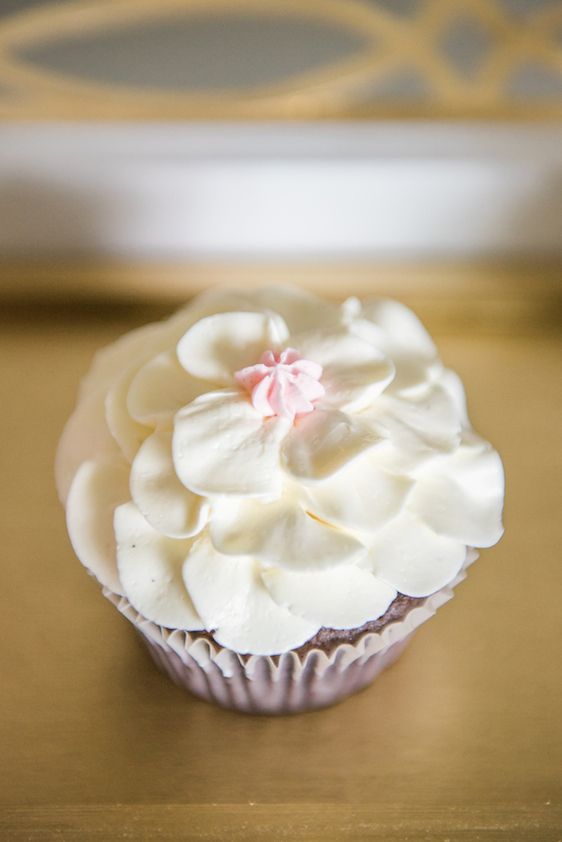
(216, 191)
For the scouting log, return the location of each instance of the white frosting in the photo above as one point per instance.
(206, 514)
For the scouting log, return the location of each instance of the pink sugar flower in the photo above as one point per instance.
(282, 383)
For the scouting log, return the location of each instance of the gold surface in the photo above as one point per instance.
(489, 295)
(411, 42)
(461, 739)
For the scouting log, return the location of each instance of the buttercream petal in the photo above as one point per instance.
(413, 373)
(339, 598)
(452, 383)
(234, 603)
(415, 428)
(354, 371)
(360, 496)
(160, 388)
(279, 533)
(403, 452)
(86, 436)
(462, 496)
(301, 310)
(127, 432)
(150, 569)
(220, 299)
(218, 346)
(98, 488)
(129, 349)
(432, 416)
(400, 327)
(323, 441)
(167, 505)
(221, 445)
(135, 348)
(395, 329)
(413, 559)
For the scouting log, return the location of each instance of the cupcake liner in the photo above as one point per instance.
(272, 691)
(279, 684)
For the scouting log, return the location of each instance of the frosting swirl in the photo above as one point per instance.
(265, 464)
(282, 383)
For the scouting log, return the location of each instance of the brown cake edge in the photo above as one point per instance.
(327, 639)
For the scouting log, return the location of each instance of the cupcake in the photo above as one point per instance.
(276, 491)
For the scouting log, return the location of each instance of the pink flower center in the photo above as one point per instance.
(282, 383)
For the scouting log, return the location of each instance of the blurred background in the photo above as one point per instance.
(410, 148)
(148, 149)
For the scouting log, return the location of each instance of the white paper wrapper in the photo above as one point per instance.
(286, 683)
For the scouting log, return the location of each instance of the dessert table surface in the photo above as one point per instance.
(460, 739)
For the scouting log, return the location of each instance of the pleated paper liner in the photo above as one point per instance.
(286, 683)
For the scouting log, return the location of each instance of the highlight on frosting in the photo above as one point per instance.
(282, 383)
(221, 480)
